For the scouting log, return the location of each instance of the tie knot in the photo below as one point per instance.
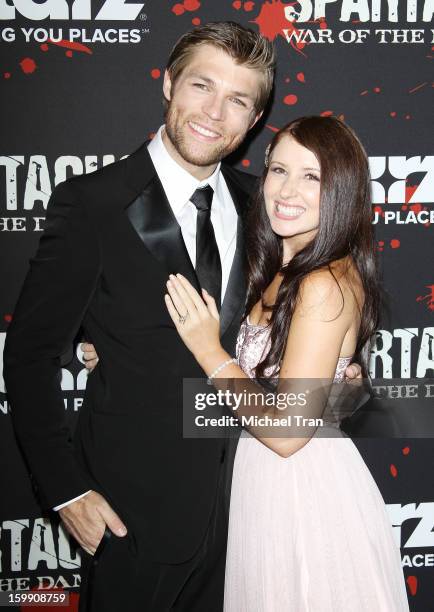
(202, 198)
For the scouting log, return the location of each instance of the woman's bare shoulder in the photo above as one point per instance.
(332, 291)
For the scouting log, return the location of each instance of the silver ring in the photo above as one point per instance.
(183, 318)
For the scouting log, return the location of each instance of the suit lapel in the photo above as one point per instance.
(152, 218)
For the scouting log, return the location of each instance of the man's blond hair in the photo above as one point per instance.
(245, 46)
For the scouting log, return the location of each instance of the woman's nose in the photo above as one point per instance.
(288, 188)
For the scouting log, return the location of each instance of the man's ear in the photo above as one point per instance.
(167, 86)
(256, 119)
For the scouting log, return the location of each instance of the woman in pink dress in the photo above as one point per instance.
(308, 528)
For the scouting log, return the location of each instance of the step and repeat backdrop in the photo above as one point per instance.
(82, 87)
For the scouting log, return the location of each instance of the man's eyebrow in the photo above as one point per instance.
(242, 94)
(197, 75)
(239, 94)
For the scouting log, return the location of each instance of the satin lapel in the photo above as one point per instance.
(153, 220)
(235, 294)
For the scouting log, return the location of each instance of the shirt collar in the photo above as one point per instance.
(178, 184)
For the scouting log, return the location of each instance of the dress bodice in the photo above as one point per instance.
(253, 343)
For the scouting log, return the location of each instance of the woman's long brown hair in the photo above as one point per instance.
(345, 229)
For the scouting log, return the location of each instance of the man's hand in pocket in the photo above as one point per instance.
(87, 518)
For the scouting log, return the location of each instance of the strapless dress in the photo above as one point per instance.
(307, 533)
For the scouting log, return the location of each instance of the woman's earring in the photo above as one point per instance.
(267, 154)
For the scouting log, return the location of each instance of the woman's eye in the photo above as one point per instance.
(277, 170)
(312, 177)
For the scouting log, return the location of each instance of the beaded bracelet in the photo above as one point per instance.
(219, 369)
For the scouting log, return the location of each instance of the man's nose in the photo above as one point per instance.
(214, 107)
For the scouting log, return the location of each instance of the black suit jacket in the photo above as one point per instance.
(110, 242)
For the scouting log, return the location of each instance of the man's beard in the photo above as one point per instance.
(203, 158)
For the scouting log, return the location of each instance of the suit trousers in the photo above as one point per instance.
(118, 578)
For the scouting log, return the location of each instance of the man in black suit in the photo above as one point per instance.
(146, 505)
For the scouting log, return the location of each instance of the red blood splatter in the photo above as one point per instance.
(237, 5)
(272, 128)
(195, 21)
(272, 21)
(409, 192)
(246, 163)
(301, 77)
(7, 75)
(322, 23)
(406, 450)
(377, 89)
(248, 6)
(395, 243)
(74, 46)
(155, 73)
(412, 584)
(28, 65)
(416, 208)
(393, 470)
(290, 99)
(8, 318)
(191, 5)
(363, 93)
(68, 53)
(327, 113)
(428, 298)
(44, 47)
(178, 9)
(379, 210)
(392, 114)
(404, 207)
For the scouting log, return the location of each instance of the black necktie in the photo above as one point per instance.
(208, 266)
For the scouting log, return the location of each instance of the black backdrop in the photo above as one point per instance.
(82, 85)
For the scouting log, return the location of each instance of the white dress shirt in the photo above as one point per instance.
(179, 185)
